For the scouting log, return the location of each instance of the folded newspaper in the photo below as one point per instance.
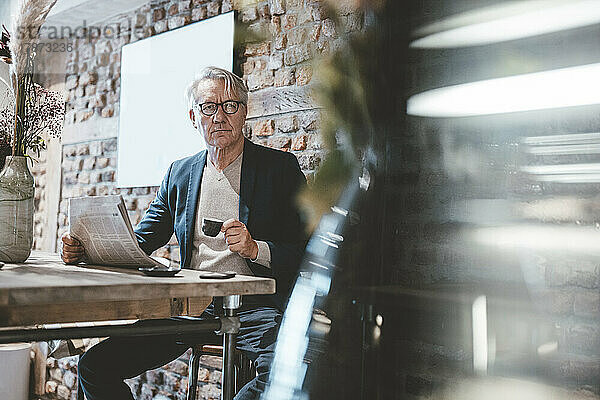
(102, 225)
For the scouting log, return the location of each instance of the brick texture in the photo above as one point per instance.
(40, 223)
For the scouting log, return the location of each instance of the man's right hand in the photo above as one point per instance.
(72, 250)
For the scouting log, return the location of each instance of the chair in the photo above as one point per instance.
(245, 370)
(242, 369)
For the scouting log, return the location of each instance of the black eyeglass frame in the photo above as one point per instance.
(237, 102)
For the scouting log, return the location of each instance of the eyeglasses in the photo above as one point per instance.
(229, 107)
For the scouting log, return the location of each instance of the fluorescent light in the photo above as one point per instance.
(565, 173)
(502, 388)
(565, 149)
(570, 138)
(569, 178)
(514, 20)
(574, 143)
(576, 239)
(480, 342)
(547, 348)
(558, 169)
(565, 87)
(558, 209)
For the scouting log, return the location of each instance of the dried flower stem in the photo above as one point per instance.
(30, 18)
(25, 100)
(31, 116)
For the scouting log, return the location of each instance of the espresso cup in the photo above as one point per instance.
(211, 227)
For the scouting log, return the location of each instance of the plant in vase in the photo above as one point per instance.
(29, 112)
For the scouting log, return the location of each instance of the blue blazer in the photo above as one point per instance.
(270, 180)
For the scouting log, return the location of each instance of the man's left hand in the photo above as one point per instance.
(239, 239)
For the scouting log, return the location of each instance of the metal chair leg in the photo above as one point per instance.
(238, 372)
(80, 394)
(245, 372)
(193, 368)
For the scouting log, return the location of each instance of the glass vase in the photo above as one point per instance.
(16, 210)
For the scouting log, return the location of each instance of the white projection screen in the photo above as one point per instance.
(154, 126)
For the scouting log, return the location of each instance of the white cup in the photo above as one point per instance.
(14, 371)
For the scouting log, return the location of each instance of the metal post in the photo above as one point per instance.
(230, 307)
(194, 366)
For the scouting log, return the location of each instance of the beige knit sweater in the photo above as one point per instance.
(219, 199)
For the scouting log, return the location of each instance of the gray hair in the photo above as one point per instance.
(233, 84)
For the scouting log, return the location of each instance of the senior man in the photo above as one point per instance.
(250, 187)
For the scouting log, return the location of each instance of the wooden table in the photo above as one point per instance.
(43, 290)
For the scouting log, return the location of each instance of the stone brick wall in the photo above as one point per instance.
(167, 383)
(282, 114)
(61, 378)
(278, 72)
(40, 221)
(170, 382)
(89, 170)
(45, 170)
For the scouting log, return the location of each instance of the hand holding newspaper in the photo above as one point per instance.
(103, 227)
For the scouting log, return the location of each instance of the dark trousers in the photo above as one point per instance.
(103, 368)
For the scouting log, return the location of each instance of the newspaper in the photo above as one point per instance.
(103, 227)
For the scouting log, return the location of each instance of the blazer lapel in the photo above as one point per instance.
(247, 181)
(192, 199)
